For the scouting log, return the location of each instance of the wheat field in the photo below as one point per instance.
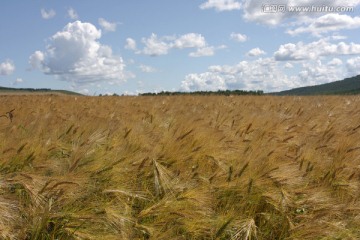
(180, 167)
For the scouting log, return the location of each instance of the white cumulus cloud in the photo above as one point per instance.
(72, 14)
(353, 66)
(206, 51)
(155, 46)
(47, 14)
(75, 54)
(238, 37)
(203, 52)
(261, 74)
(85, 91)
(7, 67)
(316, 72)
(17, 81)
(288, 65)
(131, 44)
(338, 37)
(221, 5)
(335, 62)
(190, 40)
(327, 23)
(270, 75)
(107, 26)
(147, 69)
(256, 52)
(36, 59)
(313, 50)
(206, 81)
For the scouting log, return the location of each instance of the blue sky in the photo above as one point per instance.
(129, 47)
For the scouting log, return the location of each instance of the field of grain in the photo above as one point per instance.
(184, 167)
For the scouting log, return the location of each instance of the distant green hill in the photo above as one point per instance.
(35, 90)
(219, 92)
(346, 86)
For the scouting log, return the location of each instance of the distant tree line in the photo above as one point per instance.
(206, 93)
(41, 90)
(26, 89)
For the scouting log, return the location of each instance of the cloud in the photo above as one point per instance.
(288, 65)
(85, 91)
(17, 81)
(269, 75)
(107, 26)
(327, 23)
(221, 5)
(202, 52)
(253, 11)
(316, 72)
(74, 54)
(338, 37)
(313, 50)
(147, 69)
(238, 37)
(255, 52)
(353, 66)
(72, 14)
(190, 40)
(256, 10)
(335, 62)
(47, 14)
(36, 59)
(203, 82)
(131, 44)
(7, 68)
(262, 74)
(206, 51)
(155, 46)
